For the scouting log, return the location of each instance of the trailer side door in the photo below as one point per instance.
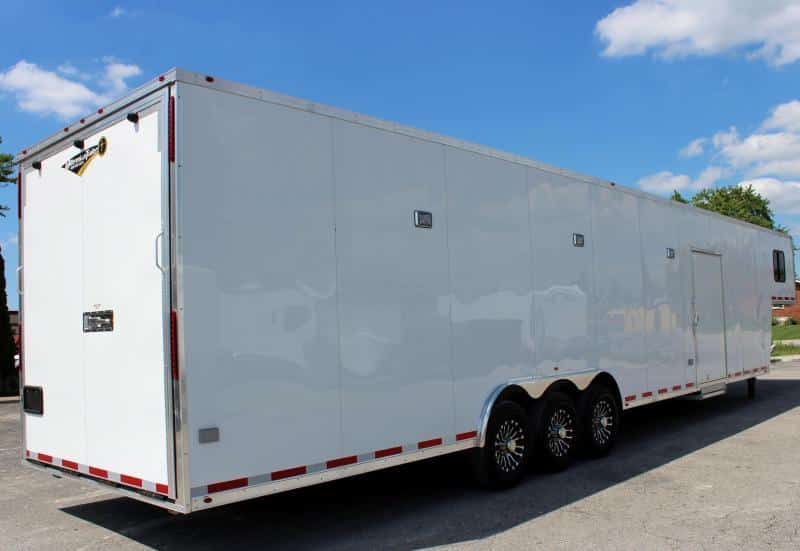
(709, 317)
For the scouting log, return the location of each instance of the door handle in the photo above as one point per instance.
(19, 280)
(159, 239)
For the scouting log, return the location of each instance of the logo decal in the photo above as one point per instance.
(80, 162)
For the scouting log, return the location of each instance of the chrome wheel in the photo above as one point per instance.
(602, 422)
(560, 432)
(509, 446)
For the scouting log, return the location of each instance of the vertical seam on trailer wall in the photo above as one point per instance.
(449, 288)
(724, 313)
(531, 277)
(644, 300)
(764, 327)
(730, 248)
(593, 317)
(334, 209)
(679, 258)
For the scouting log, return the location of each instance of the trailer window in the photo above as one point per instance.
(778, 266)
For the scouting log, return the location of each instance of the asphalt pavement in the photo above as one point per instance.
(716, 474)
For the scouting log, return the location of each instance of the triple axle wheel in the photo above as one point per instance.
(550, 433)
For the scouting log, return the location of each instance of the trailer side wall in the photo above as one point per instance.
(320, 323)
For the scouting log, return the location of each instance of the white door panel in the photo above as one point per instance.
(125, 394)
(90, 223)
(709, 317)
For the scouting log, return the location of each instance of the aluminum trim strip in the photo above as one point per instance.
(353, 464)
(650, 396)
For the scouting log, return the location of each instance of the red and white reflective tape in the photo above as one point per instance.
(96, 472)
(748, 373)
(666, 392)
(331, 464)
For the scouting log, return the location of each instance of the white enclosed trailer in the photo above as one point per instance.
(228, 293)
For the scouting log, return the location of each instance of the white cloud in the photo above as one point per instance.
(665, 182)
(784, 197)
(118, 11)
(116, 74)
(44, 92)
(708, 177)
(768, 159)
(68, 69)
(695, 148)
(757, 148)
(766, 29)
(725, 137)
(785, 116)
(786, 168)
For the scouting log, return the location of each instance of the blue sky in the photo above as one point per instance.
(658, 94)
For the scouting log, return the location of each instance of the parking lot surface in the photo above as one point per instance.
(722, 473)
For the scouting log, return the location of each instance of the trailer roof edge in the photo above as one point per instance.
(177, 74)
(162, 80)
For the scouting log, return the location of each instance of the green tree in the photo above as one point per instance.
(9, 378)
(676, 196)
(743, 203)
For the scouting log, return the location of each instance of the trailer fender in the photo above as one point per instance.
(532, 388)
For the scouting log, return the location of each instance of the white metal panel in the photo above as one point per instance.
(665, 311)
(259, 285)
(770, 242)
(562, 273)
(693, 233)
(393, 304)
(125, 369)
(709, 321)
(618, 288)
(762, 263)
(737, 289)
(108, 389)
(490, 265)
(53, 353)
(753, 304)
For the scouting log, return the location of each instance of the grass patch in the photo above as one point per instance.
(783, 332)
(785, 350)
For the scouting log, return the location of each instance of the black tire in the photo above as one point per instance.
(503, 460)
(601, 419)
(556, 431)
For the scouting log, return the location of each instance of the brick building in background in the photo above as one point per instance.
(792, 311)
